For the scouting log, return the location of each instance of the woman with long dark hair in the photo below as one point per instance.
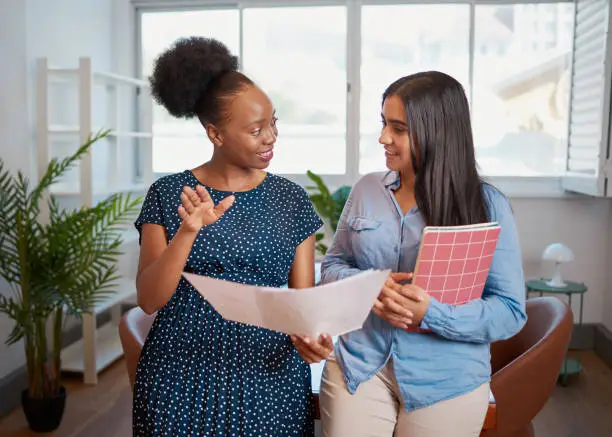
(385, 379)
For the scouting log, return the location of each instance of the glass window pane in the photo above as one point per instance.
(180, 144)
(297, 55)
(398, 40)
(521, 85)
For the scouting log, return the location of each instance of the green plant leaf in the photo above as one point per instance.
(56, 168)
(17, 313)
(329, 206)
(67, 263)
(319, 183)
(321, 248)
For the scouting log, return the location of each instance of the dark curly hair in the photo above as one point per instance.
(197, 76)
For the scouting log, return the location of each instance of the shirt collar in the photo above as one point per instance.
(391, 180)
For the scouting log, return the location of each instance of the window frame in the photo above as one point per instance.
(513, 186)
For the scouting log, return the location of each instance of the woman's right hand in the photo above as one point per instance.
(197, 208)
(311, 350)
(389, 304)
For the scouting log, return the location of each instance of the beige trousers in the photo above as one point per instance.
(376, 409)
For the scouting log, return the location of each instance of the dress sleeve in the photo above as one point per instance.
(151, 211)
(306, 220)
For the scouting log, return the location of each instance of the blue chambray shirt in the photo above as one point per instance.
(454, 359)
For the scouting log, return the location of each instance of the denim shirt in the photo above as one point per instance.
(454, 357)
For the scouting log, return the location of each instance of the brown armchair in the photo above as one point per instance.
(133, 330)
(525, 367)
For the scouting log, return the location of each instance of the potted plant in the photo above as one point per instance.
(57, 262)
(329, 206)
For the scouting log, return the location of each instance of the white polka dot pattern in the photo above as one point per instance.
(200, 374)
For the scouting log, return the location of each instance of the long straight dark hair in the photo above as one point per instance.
(448, 188)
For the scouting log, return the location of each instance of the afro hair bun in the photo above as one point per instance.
(182, 74)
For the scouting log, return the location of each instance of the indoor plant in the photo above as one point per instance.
(329, 206)
(57, 262)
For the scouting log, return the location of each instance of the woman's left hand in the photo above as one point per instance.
(313, 351)
(409, 297)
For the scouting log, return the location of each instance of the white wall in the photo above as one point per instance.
(62, 33)
(62, 30)
(584, 225)
(15, 136)
(14, 129)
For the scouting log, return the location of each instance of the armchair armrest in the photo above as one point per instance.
(522, 387)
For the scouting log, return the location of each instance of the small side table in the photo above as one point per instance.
(571, 366)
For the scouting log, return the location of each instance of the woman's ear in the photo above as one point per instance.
(214, 135)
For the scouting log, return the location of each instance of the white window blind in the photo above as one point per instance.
(588, 149)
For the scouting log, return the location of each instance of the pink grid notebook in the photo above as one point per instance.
(454, 261)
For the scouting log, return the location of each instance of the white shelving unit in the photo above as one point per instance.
(100, 345)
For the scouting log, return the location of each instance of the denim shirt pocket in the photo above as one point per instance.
(365, 239)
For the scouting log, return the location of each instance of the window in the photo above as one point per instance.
(298, 57)
(521, 89)
(304, 77)
(320, 62)
(397, 40)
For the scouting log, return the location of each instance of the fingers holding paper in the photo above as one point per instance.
(400, 277)
(390, 306)
(401, 305)
(313, 351)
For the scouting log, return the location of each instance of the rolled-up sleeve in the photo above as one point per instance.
(500, 313)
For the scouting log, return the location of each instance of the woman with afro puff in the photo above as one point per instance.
(199, 374)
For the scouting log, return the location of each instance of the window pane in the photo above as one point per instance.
(398, 40)
(298, 57)
(521, 72)
(180, 144)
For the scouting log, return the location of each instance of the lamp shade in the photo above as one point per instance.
(558, 252)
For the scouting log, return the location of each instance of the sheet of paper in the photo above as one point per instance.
(333, 308)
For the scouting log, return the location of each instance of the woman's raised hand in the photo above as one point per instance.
(197, 209)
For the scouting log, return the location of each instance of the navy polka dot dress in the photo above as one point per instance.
(200, 375)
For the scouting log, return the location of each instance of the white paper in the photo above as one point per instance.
(334, 308)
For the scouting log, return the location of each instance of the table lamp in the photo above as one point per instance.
(559, 253)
